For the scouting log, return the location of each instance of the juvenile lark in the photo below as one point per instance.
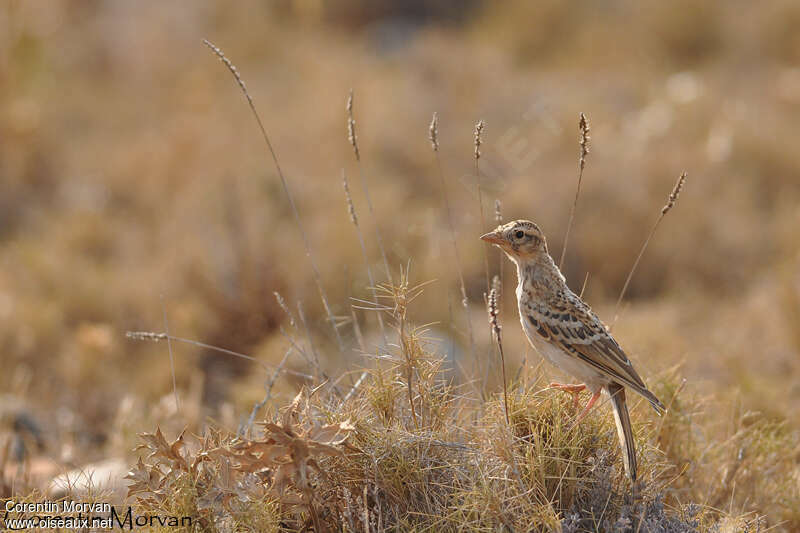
(566, 332)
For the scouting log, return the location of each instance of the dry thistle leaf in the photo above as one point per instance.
(144, 479)
(290, 449)
(159, 447)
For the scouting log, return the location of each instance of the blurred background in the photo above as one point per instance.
(134, 184)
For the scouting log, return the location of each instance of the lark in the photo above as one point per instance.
(566, 332)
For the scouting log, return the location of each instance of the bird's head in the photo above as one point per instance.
(521, 240)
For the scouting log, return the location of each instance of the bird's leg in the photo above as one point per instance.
(586, 409)
(572, 389)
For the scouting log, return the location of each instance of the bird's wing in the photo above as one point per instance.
(571, 325)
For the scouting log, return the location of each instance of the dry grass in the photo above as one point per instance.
(436, 462)
(116, 190)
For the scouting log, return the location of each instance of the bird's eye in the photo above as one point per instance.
(519, 234)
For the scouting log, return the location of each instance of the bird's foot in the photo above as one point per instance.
(566, 387)
(585, 411)
(573, 389)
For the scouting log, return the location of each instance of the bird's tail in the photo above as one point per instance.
(659, 407)
(624, 429)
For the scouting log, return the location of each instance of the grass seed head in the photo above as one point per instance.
(479, 138)
(673, 196)
(350, 208)
(351, 126)
(433, 132)
(492, 308)
(584, 139)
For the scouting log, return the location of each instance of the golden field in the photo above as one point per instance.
(137, 194)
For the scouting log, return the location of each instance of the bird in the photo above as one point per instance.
(567, 333)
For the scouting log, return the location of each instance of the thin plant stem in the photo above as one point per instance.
(354, 219)
(673, 197)
(353, 138)
(478, 138)
(154, 336)
(171, 358)
(478, 134)
(409, 367)
(314, 354)
(498, 219)
(494, 324)
(269, 385)
(434, 138)
(356, 385)
(295, 213)
(356, 327)
(583, 141)
(585, 281)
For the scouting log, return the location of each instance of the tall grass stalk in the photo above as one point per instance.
(583, 142)
(356, 327)
(295, 213)
(478, 141)
(311, 359)
(498, 220)
(354, 219)
(154, 336)
(478, 136)
(433, 136)
(671, 200)
(353, 138)
(245, 431)
(495, 325)
(171, 357)
(314, 354)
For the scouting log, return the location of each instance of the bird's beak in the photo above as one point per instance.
(492, 237)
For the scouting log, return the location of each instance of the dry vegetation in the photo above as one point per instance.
(134, 195)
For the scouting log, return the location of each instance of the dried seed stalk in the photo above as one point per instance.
(354, 219)
(434, 138)
(671, 200)
(496, 329)
(353, 139)
(583, 142)
(295, 212)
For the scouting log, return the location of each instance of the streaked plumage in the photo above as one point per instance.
(566, 332)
